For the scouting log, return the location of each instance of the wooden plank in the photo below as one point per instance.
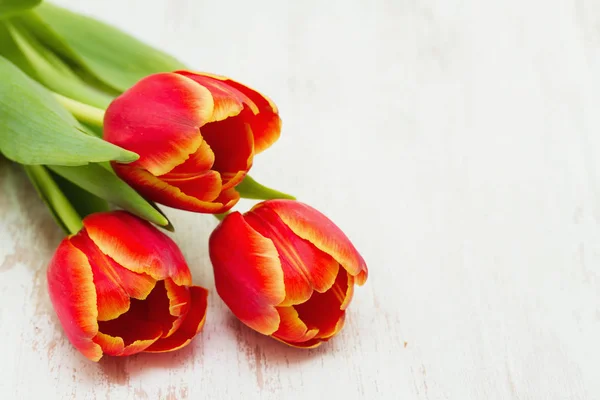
(456, 143)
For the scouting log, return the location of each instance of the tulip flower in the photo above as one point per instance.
(286, 270)
(120, 286)
(196, 135)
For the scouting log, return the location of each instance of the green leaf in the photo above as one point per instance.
(11, 51)
(169, 226)
(113, 56)
(12, 7)
(84, 202)
(52, 71)
(105, 184)
(60, 207)
(35, 129)
(93, 130)
(250, 189)
(44, 34)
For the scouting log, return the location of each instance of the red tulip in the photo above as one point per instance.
(196, 135)
(120, 287)
(286, 270)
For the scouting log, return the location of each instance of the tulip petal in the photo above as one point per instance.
(232, 146)
(232, 143)
(228, 197)
(114, 284)
(315, 227)
(231, 180)
(111, 298)
(154, 189)
(159, 119)
(168, 305)
(323, 310)
(349, 293)
(157, 309)
(266, 125)
(145, 334)
(141, 344)
(361, 278)
(179, 298)
(202, 160)
(267, 129)
(309, 344)
(111, 345)
(179, 304)
(192, 323)
(135, 285)
(73, 295)
(228, 101)
(325, 335)
(304, 266)
(248, 274)
(317, 341)
(142, 325)
(291, 328)
(136, 245)
(204, 186)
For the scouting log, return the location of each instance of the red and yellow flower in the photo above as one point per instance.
(196, 135)
(286, 270)
(120, 287)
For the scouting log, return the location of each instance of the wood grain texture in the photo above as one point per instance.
(456, 143)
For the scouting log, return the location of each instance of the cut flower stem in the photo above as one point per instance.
(57, 202)
(83, 112)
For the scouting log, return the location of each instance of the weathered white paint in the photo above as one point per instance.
(456, 142)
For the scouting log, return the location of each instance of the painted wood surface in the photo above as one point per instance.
(457, 143)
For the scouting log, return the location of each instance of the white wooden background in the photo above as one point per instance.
(456, 142)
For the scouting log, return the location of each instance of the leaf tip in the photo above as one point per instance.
(127, 157)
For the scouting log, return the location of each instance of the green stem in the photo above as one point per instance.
(221, 217)
(59, 205)
(251, 189)
(83, 112)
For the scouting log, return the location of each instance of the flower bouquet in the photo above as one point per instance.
(106, 128)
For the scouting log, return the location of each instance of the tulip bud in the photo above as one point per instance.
(120, 287)
(196, 135)
(286, 270)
